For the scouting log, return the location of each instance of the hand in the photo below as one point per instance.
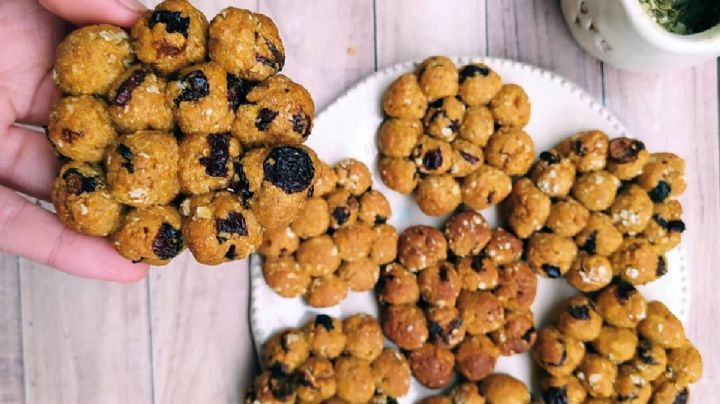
(30, 32)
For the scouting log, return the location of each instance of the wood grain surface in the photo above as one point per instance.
(182, 335)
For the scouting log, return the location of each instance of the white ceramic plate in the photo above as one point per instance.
(347, 128)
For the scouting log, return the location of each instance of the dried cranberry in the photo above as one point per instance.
(676, 225)
(661, 266)
(168, 242)
(341, 214)
(325, 321)
(77, 184)
(238, 90)
(124, 92)
(216, 163)
(233, 224)
(555, 395)
(276, 61)
(550, 158)
(380, 219)
(660, 192)
(231, 253)
(551, 270)
(241, 185)
(265, 118)
(623, 150)
(471, 71)
(301, 124)
(590, 243)
(70, 136)
(173, 20)
(195, 86)
(623, 291)
(289, 168)
(469, 157)
(432, 159)
(579, 311)
(127, 158)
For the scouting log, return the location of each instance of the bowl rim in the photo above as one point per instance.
(706, 42)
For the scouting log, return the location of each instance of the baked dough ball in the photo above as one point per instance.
(477, 273)
(504, 389)
(361, 275)
(89, 59)
(286, 350)
(636, 261)
(374, 208)
(285, 276)
(578, 319)
(615, 343)
(397, 137)
(171, 36)
(517, 335)
(279, 242)
(397, 286)
(446, 326)
(596, 189)
(325, 337)
(588, 151)
(597, 374)
(665, 228)
(567, 217)
(344, 208)
(554, 174)
(663, 176)
(432, 156)
(517, 286)
(467, 233)
(589, 273)
(566, 389)
(630, 387)
(354, 380)
(246, 44)
(599, 236)
(151, 235)
(138, 102)
(206, 162)
(220, 228)
(626, 157)
(327, 180)
(481, 312)
(556, 353)
(421, 246)
(511, 106)
(684, 364)
(200, 99)
(467, 157)
(671, 392)
(316, 380)
(503, 247)
(621, 305)
(661, 327)
(398, 174)
(314, 220)
(477, 125)
(528, 208)
(476, 357)
(650, 360)
(384, 246)
(478, 84)
(392, 373)
(354, 176)
(438, 77)
(273, 386)
(443, 117)
(354, 241)
(510, 150)
(318, 256)
(550, 254)
(405, 325)
(142, 168)
(364, 337)
(80, 128)
(432, 365)
(326, 291)
(485, 187)
(278, 111)
(631, 210)
(438, 194)
(439, 285)
(82, 201)
(404, 99)
(466, 393)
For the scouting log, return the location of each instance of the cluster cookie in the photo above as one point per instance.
(595, 208)
(496, 388)
(454, 136)
(616, 347)
(338, 243)
(180, 134)
(457, 299)
(330, 360)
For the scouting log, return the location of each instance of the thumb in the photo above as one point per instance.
(83, 12)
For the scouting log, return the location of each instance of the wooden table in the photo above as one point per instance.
(182, 335)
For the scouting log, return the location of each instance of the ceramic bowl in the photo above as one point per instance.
(622, 34)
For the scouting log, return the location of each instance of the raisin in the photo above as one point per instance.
(282, 385)
(590, 243)
(231, 253)
(70, 136)
(301, 124)
(173, 20)
(551, 270)
(555, 395)
(477, 264)
(289, 168)
(432, 159)
(238, 90)
(623, 150)
(195, 86)
(168, 242)
(341, 215)
(435, 328)
(77, 184)
(233, 224)
(676, 225)
(124, 92)
(276, 61)
(644, 354)
(454, 125)
(471, 71)
(660, 192)
(216, 163)
(437, 104)
(265, 118)
(529, 334)
(579, 312)
(325, 321)
(661, 222)
(623, 291)
(443, 274)
(380, 219)
(469, 157)
(579, 148)
(550, 158)
(127, 158)
(241, 185)
(682, 397)
(661, 266)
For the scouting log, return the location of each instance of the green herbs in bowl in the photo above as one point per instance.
(684, 17)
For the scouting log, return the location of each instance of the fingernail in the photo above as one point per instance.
(133, 5)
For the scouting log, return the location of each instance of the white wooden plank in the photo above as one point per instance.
(12, 389)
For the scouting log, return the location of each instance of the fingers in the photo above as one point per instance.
(83, 12)
(27, 162)
(32, 232)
